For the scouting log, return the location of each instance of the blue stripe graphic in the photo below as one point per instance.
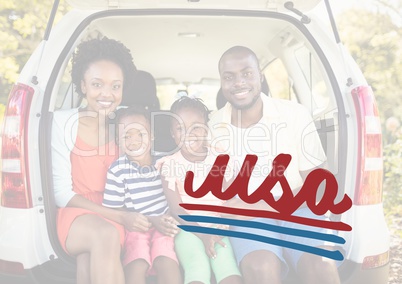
(267, 227)
(335, 255)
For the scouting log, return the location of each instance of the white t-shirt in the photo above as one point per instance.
(174, 169)
(286, 127)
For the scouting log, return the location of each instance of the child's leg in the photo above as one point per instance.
(135, 272)
(137, 257)
(164, 259)
(167, 270)
(224, 265)
(233, 279)
(195, 262)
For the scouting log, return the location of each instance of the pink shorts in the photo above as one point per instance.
(148, 246)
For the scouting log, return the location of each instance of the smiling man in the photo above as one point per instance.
(241, 79)
(251, 123)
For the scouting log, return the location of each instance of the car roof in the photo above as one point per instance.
(196, 41)
(271, 5)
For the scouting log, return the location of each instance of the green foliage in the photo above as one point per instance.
(22, 26)
(393, 174)
(2, 109)
(374, 41)
(374, 38)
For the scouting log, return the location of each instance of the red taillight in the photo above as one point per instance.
(10, 267)
(370, 164)
(374, 261)
(15, 191)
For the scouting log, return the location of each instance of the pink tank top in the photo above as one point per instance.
(89, 166)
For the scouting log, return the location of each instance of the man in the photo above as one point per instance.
(251, 123)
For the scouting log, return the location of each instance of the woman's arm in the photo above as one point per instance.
(64, 134)
(132, 221)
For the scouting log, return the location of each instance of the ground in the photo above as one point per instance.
(395, 227)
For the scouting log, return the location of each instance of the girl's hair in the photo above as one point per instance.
(190, 103)
(98, 49)
(130, 111)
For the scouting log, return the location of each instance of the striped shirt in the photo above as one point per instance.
(138, 189)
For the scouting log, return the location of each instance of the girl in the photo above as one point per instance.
(199, 254)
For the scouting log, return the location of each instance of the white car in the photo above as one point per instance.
(180, 42)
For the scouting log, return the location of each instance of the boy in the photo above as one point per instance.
(134, 183)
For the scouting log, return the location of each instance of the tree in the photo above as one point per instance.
(22, 26)
(373, 39)
(391, 7)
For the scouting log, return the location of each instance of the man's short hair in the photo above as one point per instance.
(238, 49)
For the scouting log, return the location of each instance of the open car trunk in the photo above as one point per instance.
(181, 49)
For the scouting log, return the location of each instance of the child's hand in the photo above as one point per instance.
(209, 243)
(134, 221)
(165, 224)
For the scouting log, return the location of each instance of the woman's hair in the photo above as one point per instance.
(190, 103)
(98, 49)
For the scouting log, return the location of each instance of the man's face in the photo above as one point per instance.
(240, 80)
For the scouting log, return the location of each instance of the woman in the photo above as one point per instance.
(82, 150)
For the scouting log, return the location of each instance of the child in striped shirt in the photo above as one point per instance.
(133, 183)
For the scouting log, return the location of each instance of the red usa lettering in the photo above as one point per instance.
(287, 203)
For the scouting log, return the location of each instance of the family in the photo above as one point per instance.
(119, 205)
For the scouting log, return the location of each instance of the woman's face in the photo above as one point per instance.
(190, 132)
(102, 86)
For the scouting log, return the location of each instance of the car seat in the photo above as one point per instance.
(142, 91)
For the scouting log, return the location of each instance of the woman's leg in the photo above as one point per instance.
(83, 274)
(94, 235)
(167, 270)
(136, 271)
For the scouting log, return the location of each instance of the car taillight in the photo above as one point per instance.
(374, 261)
(370, 164)
(10, 267)
(15, 191)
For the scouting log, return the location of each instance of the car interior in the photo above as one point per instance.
(179, 56)
(181, 53)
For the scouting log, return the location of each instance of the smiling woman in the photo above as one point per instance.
(87, 230)
(103, 85)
